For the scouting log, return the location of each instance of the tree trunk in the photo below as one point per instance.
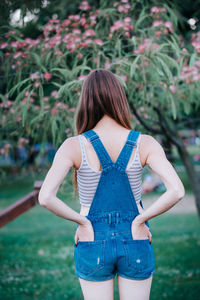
(192, 174)
(172, 135)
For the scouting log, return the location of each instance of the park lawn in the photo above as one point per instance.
(36, 253)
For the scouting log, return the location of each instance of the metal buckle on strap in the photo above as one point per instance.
(131, 143)
(93, 138)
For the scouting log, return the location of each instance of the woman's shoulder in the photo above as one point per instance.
(148, 145)
(70, 148)
(149, 141)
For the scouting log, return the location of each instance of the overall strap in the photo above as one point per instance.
(125, 154)
(99, 148)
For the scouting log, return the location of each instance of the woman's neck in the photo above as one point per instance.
(105, 123)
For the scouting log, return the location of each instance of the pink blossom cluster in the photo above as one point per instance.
(155, 10)
(75, 32)
(123, 6)
(165, 27)
(58, 106)
(37, 76)
(125, 25)
(191, 74)
(196, 41)
(85, 5)
(146, 45)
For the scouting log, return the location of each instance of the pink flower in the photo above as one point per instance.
(168, 24)
(83, 21)
(107, 65)
(14, 44)
(72, 109)
(84, 5)
(54, 111)
(98, 42)
(127, 19)
(158, 33)
(18, 119)
(88, 41)
(156, 10)
(120, 8)
(89, 32)
(37, 84)
(47, 76)
(157, 23)
(3, 45)
(172, 89)
(124, 77)
(76, 31)
(54, 21)
(54, 94)
(34, 76)
(79, 56)
(82, 77)
(66, 22)
(196, 45)
(17, 54)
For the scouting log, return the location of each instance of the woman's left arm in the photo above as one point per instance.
(63, 161)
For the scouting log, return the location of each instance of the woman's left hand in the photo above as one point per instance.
(84, 232)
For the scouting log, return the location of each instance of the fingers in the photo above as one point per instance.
(76, 239)
(149, 236)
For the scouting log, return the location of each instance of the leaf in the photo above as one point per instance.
(41, 95)
(18, 86)
(141, 19)
(21, 95)
(24, 113)
(173, 106)
(66, 86)
(65, 73)
(3, 98)
(192, 59)
(75, 71)
(38, 61)
(38, 117)
(166, 69)
(187, 107)
(133, 66)
(170, 61)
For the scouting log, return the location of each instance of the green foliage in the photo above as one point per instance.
(140, 44)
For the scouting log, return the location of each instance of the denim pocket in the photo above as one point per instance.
(139, 255)
(89, 256)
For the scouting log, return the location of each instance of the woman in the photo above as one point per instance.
(113, 234)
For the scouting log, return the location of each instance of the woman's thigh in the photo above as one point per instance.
(130, 289)
(97, 290)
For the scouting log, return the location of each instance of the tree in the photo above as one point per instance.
(139, 42)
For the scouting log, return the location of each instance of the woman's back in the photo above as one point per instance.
(113, 136)
(88, 174)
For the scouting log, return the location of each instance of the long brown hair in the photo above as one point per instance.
(101, 94)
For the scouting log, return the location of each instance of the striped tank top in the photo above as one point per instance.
(88, 178)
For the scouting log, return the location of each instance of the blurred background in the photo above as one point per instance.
(46, 49)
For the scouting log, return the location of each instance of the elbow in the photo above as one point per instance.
(42, 199)
(179, 193)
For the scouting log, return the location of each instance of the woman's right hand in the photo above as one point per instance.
(84, 232)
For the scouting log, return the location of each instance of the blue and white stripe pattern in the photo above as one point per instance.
(88, 178)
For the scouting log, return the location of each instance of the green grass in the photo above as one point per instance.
(36, 253)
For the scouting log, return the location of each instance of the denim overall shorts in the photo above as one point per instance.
(114, 250)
